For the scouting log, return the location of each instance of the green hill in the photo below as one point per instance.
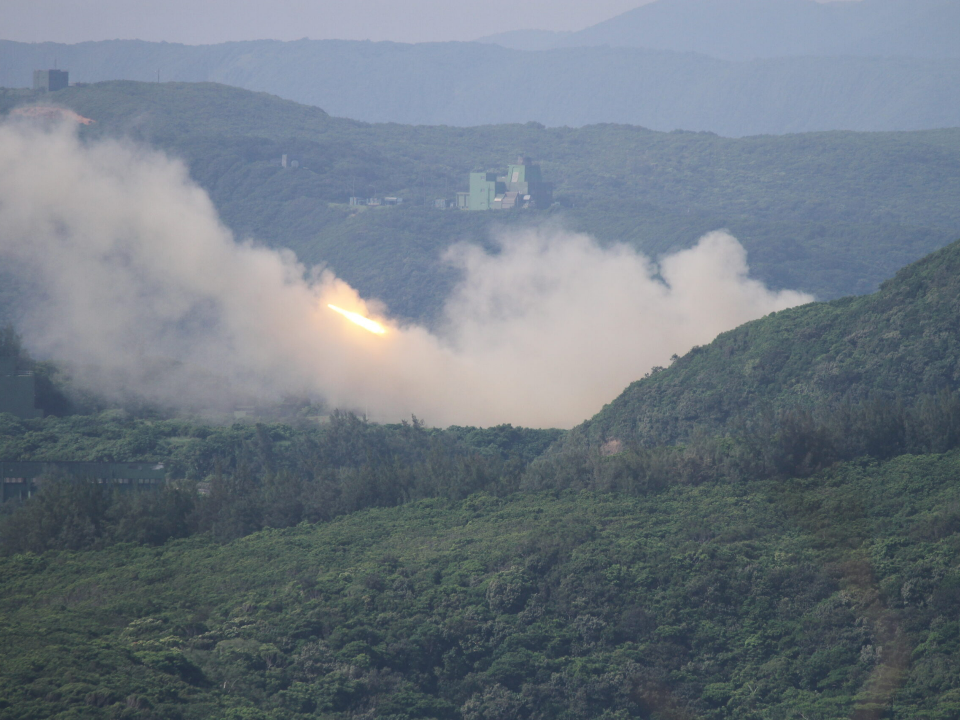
(833, 597)
(896, 344)
(829, 213)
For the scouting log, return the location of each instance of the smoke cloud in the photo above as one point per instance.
(139, 289)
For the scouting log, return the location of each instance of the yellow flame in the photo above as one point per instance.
(366, 323)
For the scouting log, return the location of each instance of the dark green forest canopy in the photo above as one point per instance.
(193, 450)
(832, 597)
(896, 344)
(832, 213)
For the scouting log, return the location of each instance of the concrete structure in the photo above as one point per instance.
(21, 479)
(50, 80)
(484, 188)
(521, 187)
(18, 390)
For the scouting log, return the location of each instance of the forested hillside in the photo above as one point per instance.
(832, 597)
(829, 213)
(893, 346)
(462, 84)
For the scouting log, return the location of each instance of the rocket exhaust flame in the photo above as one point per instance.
(366, 323)
(131, 279)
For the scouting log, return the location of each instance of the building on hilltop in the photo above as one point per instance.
(50, 80)
(521, 187)
(484, 189)
(18, 390)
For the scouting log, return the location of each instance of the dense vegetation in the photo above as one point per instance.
(460, 84)
(830, 213)
(749, 576)
(250, 476)
(831, 597)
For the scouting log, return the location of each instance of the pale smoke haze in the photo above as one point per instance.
(137, 288)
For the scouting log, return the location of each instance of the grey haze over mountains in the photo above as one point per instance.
(870, 65)
(749, 29)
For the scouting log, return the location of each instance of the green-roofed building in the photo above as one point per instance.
(521, 187)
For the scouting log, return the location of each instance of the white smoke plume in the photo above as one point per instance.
(139, 288)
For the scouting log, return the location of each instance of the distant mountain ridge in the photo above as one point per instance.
(470, 84)
(748, 29)
(525, 39)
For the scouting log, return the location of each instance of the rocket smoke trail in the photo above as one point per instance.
(139, 289)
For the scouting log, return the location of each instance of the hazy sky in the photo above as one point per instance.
(212, 21)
